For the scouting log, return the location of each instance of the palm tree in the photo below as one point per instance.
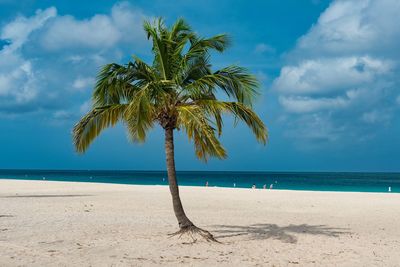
(178, 91)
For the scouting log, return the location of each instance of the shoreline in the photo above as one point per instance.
(198, 186)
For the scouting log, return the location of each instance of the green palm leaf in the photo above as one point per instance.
(198, 129)
(91, 125)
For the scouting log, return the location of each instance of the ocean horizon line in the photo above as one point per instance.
(198, 171)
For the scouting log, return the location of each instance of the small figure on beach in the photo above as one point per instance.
(389, 189)
(271, 186)
(264, 186)
(234, 184)
(254, 186)
(206, 183)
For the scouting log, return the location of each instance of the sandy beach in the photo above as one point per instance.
(46, 223)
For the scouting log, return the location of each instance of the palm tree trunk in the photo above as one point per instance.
(183, 221)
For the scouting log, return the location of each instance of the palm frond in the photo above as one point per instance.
(140, 115)
(235, 81)
(198, 129)
(218, 42)
(240, 111)
(156, 32)
(116, 83)
(179, 30)
(95, 121)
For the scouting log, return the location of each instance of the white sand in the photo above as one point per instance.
(87, 224)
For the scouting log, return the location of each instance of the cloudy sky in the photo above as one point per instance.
(329, 70)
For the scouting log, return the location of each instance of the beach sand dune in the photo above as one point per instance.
(45, 223)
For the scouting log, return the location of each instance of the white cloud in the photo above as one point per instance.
(307, 104)
(324, 75)
(18, 84)
(101, 31)
(83, 83)
(129, 22)
(66, 31)
(375, 116)
(18, 31)
(344, 69)
(354, 27)
(263, 48)
(18, 81)
(44, 52)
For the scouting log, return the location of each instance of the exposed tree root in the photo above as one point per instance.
(194, 232)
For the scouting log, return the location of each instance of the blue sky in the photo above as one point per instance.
(329, 72)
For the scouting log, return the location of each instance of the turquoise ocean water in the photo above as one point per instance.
(316, 181)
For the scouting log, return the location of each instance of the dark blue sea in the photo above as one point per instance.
(316, 181)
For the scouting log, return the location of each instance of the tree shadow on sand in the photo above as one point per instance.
(282, 233)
